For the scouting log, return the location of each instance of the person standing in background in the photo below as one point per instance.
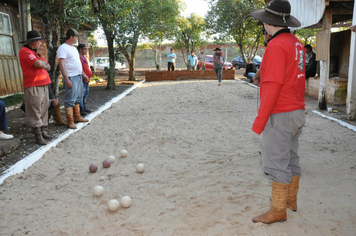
(192, 61)
(171, 60)
(72, 74)
(36, 80)
(83, 50)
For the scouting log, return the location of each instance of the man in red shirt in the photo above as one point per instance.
(36, 80)
(281, 115)
(83, 50)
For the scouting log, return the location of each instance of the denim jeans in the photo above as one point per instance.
(85, 95)
(218, 72)
(74, 94)
(250, 76)
(3, 117)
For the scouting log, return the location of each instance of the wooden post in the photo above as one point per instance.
(351, 84)
(325, 60)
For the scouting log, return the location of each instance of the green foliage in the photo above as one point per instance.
(189, 34)
(307, 36)
(13, 99)
(231, 19)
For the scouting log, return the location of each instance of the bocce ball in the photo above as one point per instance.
(140, 168)
(93, 168)
(102, 178)
(123, 153)
(113, 205)
(111, 159)
(98, 190)
(106, 164)
(125, 201)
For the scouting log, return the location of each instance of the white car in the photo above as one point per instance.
(102, 62)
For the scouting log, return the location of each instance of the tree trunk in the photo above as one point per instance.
(158, 66)
(111, 71)
(132, 70)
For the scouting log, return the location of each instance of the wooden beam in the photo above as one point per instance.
(351, 83)
(325, 60)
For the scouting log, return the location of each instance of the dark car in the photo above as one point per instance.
(238, 62)
(209, 65)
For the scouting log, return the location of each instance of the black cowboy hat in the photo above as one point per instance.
(217, 49)
(32, 36)
(276, 13)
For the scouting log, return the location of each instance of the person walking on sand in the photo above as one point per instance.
(281, 115)
(36, 80)
(72, 73)
(218, 62)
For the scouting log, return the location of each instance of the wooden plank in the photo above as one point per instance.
(351, 85)
(3, 91)
(324, 64)
(185, 75)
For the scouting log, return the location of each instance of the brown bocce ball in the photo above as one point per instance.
(93, 168)
(106, 164)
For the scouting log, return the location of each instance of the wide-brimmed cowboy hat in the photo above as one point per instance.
(217, 49)
(277, 12)
(32, 36)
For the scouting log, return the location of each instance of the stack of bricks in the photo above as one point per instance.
(187, 75)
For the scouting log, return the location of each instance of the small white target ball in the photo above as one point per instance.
(123, 153)
(98, 190)
(102, 178)
(125, 201)
(111, 159)
(140, 168)
(113, 205)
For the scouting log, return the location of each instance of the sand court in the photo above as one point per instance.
(202, 171)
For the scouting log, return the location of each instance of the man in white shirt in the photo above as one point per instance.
(72, 73)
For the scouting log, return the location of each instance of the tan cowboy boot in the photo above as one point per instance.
(277, 211)
(77, 117)
(38, 136)
(292, 194)
(58, 116)
(70, 120)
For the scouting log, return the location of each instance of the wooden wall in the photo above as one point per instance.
(187, 75)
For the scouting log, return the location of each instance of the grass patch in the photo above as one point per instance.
(13, 99)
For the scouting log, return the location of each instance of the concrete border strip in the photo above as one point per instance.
(342, 123)
(36, 155)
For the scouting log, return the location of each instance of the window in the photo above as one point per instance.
(6, 43)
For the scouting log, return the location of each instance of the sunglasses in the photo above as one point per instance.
(264, 31)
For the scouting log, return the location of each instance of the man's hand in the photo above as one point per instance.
(256, 80)
(68, 83)
(54, 102)
(353, 28)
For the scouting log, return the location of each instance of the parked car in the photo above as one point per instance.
(102, 62)
(210, 66)
(238, 62)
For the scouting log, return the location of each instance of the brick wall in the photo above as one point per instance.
(187, 75)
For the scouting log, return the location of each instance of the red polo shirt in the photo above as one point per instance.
(282, 79)
(32, 76)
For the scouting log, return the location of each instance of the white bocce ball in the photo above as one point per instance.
(98, 190)
(140, 168)
(113, 205)
(112, 159)
(123, 153)
(125, 201)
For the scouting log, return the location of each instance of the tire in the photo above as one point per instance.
(92, 69)
(237, 67)
(257, 67)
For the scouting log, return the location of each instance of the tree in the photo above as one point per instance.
(55, 18)
(108, 12)
(189, 34)
(307, 36)
(167, 14)
(231, 19)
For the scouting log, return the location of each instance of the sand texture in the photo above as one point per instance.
(202, 171)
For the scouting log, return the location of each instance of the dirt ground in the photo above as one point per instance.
(98, 96)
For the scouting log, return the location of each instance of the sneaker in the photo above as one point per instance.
(4, 136)
(88, 110)
(83, 113)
